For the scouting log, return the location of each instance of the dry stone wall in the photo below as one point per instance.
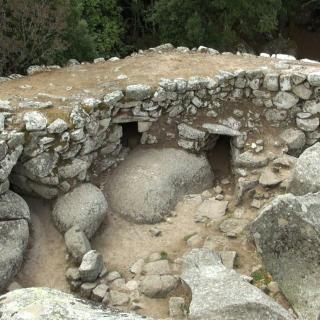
(46, 157)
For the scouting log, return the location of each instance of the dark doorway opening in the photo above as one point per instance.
(131, 136)
(219, 157)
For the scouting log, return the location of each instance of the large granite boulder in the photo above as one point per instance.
(287, 234)
(49, 304)
(85, 207)
(148, 183)
(219, 293)
(306, 174)
(14, 235)
(13, 207)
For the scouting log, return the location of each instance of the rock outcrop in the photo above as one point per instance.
(14, 235)
(287, 234)
(84, 207)
(49, 304)
(306, 174)
(221, 294)
(139, 190)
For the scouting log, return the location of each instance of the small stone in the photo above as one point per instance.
(77, 243)
(308, 125)
(217, 189)
(118, 284)
(268, 178)
(273, 287)
(132, 285)
(58, 126)
(113, 275)
(155, 232)
(233, 226)
(219, 197)
(160, 267)
(73, 274)
(118, 298)
(99, 292)
(155, 286)
(212, 209)
(256, 204)
(195, 241)
(137, 267)
(177, 308)
(225, 181)
(91, 266)
(86, 289)
(206, 194)
(228, 258)
(35, 121)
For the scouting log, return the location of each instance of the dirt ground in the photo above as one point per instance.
(94, 80)
(122, 243)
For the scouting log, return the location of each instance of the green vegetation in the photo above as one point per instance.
(53, 31)
(261, 277)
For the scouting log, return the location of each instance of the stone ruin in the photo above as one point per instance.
(269, 116)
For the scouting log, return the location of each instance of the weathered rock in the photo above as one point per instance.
(243, 185)
(302, 92)
(99, 292)
(156, 286)
(13, 207)
(221, 294)
(14, 236)
(77, 243)
(212, 209)
(160, 267)
(269, 179)
(85, 207)
(314, 78)
(42, 165)
(249, 160)
(58, 126)
(138, 189)
(287, 234)
(221, 130)
(308, 125)
(177, 308)
(118, 298)
(54, 305)
(138, 92)
(71, 170)
(228, 258)
(285, 100)
(190, 133)
(35, 121)
(233, 227)
(91, 266)
(295, 140)
(113, 97)
(306, 174)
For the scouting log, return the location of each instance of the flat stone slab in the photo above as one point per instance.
(212, 209)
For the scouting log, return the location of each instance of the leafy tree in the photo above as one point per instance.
(105, 25)
(219, 23)
(31, 33)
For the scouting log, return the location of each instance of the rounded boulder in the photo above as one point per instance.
(148, 183)
(85, 207)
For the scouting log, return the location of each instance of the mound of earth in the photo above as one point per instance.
(49, 304)
(84, 207)
(14, 235)
(287, 234)
(148, 183)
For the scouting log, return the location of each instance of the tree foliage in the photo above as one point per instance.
(53, 31)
